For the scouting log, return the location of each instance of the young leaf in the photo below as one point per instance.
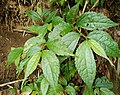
(51, 16)
(33, 15)
(85, 63)
(32, 65)
(70, 90)
(50, 67)
(44, 86)
(57, 20)
(88, 91)
(72, 13)
(103, 82)
(39, 10)
(14, 54)
(106, 91)
(71, 39)
(60, 29)
(59, 48)
(107, 43)
(93, 21)
(98, 49)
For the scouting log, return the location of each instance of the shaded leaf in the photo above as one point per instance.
(106, 91)
(44, 86)
(93, 21)
(60, 29)
(33, 15)
(72, 13)
(85, 63)
(103, 82)
(51, 16)
(57, 20)
(70, 90)
(50, 67)
(79, 2)
(14, 54)
(106, 42)
(59, 48)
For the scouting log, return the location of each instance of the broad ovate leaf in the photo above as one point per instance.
(14, 54)
(85, 63)
(71, 39)
(88, 91)
(59, 48)
(93, 21)
(105, 91)
(106, 42)
(33, 15)
(70, 90)
(50, 67)
(72, 13)
(60, 29)
(44, 86)
(57, 20)
(32, 64)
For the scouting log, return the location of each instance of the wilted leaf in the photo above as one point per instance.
(93, 21)
(44, 86)
(106, 91)
(70, 90)
(14, 54)
(106, 42)
(85, 63)
(59, 48)
(50, 67)
(60, 29)
(72, 13)
(33, 15)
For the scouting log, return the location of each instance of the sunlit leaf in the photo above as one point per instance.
(88, 91)
(14, 54)
(50, 67)
(39, 10)
(93, 21)
(57, 20)
(106, 42)
(70, 90)
(85, 63)
(60, 29)
(59, 48)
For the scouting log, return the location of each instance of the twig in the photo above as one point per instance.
(24, 31)
(86, 2)
(12, 82)
(94, 4)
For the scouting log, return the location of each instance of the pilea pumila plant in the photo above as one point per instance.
(61, 50)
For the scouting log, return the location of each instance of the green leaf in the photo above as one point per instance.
(49, 27)
(106, 42)
(14, 54)
(45, 13)
(50, 67)
(88, 91)
(79, 2)
(57, 20)
(62, 81)
(93, 21)
(60, 29)
(71, 39)
(41, 30)
(85, 63)
(92, 2)
(32, 65)
(51, 16)
(70, 90)
(96, 91)
(39, 10)
(33, 15)
(72, 13)
(59, 48)
(106, 91)
(26, 90)
(103, 82)
(44, 86)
